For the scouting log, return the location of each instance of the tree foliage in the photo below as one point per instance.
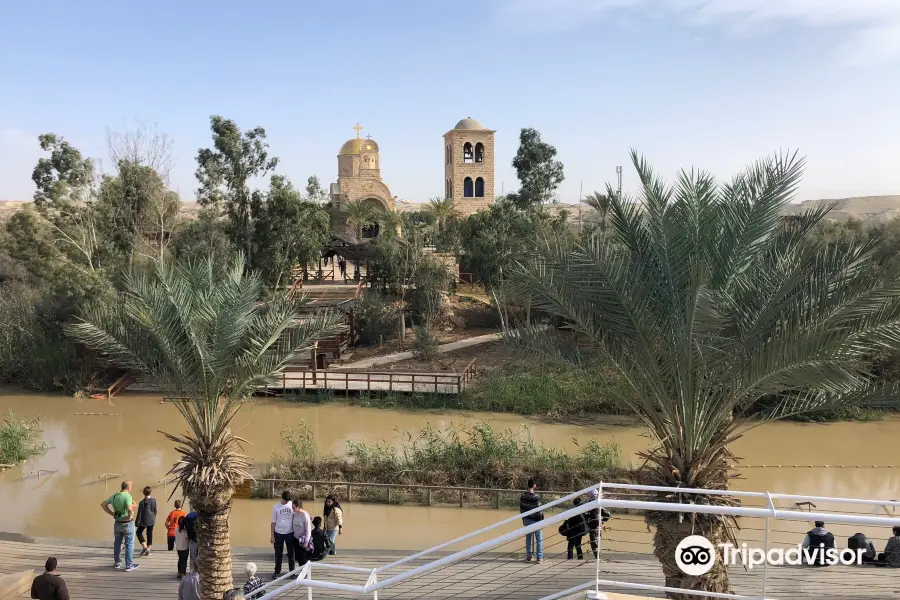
(705, 302)
(288, 230)
(200, 333)
(225, 172)
(538, 171)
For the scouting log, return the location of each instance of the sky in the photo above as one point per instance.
(713, 84)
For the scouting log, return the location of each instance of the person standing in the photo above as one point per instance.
(146, 519)
(596, 518)
(302, 534)
(334, 520)
(574, 529)
(182, 546)
(122, 511)
(49, 585)
(172, 524)
(283, 532)
(189, 588)
(534, 542)
(190, 525)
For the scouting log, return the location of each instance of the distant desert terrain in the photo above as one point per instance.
(870, 210)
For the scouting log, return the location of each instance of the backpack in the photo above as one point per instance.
(190, 524)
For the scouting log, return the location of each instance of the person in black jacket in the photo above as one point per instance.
(574, 529)
(595, 519)
(49, 586)
(534, 542)
(817, 541)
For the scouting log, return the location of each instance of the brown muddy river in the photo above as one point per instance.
(66, 503)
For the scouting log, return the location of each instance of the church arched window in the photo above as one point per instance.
(479, 188)
(479, 152)
(468, 190)
(468, 156)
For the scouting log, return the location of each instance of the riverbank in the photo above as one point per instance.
(474, 456)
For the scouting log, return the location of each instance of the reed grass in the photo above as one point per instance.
(477, 456)
(20, 440)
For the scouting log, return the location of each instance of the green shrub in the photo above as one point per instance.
(426, 345)
(377, 318)
(477, 456)
(19, 440)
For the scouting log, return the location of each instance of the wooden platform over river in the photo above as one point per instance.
(89, 575)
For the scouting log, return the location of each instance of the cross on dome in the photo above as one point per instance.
(358, 128)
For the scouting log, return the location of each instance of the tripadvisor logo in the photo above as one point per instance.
(695, 555)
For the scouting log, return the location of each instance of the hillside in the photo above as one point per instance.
(871, 210)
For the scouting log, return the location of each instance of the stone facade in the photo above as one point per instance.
(359, 178)
(469, 166)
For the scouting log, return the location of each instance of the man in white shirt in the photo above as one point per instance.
(283, 532)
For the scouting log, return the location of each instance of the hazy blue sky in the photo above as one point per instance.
(709, 83)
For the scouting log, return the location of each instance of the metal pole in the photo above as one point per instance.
(619, 175)
(766, 562)
(599, 538)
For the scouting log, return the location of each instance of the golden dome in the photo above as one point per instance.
(357, 145)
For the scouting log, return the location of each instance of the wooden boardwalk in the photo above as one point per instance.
(89, 575)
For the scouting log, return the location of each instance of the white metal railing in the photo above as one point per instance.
(302, 577)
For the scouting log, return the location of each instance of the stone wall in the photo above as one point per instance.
(457, 170)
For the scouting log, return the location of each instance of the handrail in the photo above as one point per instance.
(484, 530)
(373, 585)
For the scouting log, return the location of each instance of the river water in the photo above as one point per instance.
(83, 447)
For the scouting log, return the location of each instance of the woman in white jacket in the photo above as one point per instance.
(334, 520)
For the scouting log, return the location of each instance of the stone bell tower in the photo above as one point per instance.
(469, 166)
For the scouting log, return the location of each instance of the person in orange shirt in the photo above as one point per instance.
(172, 524)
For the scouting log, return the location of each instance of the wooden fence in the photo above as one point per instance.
(316, 490)
(378, 381)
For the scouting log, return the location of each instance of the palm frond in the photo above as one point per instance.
(204, 336)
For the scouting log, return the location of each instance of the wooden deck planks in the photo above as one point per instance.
(89, 575)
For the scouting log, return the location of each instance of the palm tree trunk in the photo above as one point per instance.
(671, 528)
(214, 552)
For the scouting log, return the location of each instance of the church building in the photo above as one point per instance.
(468, 173)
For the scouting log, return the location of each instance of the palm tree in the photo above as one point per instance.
(600, 203)
(444, 211)
(202, 336)
(359, 213)
(710, 308)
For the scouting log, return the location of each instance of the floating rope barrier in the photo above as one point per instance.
(815, 466)
(99, 414)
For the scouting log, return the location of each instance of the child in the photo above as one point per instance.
(574, 528)
(321, 544)
(172, 524)
(182, 544)
(146, 519)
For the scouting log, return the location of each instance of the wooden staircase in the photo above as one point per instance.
(118, 385)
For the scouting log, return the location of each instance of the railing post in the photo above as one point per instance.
(314, 492)
(429, 496)
(497, 503)
(389, 495)
(349, 493)
(373, 579)
(460, 498)
(599, 539)
(766, 544)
